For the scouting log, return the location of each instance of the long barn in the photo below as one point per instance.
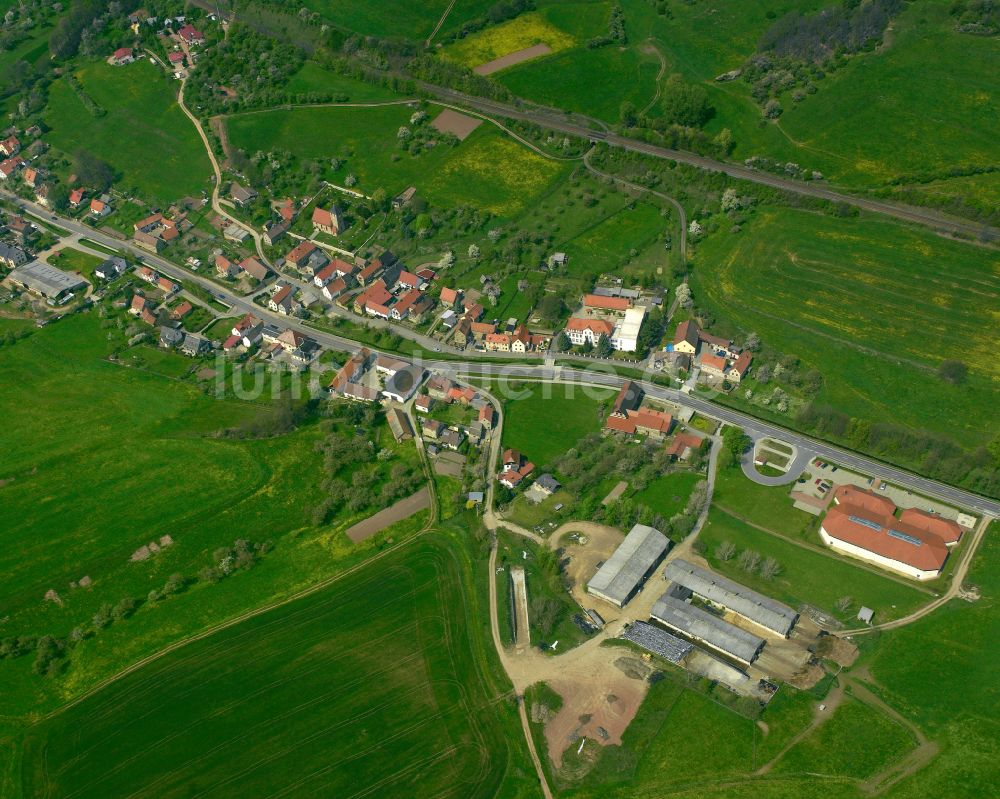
(631, 564)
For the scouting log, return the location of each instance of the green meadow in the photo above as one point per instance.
(314, 78)
(668, 495)
(101, 458)
(388, 18)
(931, 86)
(487, 170)
(144, 135)
(875, 306)
(528, 419)
(377, 684)
(806, 576)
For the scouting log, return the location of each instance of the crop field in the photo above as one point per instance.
(807, 576)
(487, 170)
(315, 697)
(528, 420)
(139, 99)
(389, 18)
(508, 37)
(874, 306)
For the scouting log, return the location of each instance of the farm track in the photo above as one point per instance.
(440, 22)
(681, 215)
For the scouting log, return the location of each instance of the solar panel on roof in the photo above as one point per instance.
(909, 539)
(867, 523)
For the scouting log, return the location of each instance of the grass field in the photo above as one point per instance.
(390, 18)
(100, 459)
(487, 170)
(768, 506)
(669, 494)
(508, 37)
(807, 576)
(833, 749)
(314, 78)
(932, 107)
(528, 424)
(162, 157)
(77, 261)
(312, 698)
(874, 306)
(606, 246)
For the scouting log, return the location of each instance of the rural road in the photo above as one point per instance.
(556, 121)
(755, 428)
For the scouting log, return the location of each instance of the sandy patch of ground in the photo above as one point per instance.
(615, 492)
(509, 60)
(449, 464)
(394, 513)
(458, 125)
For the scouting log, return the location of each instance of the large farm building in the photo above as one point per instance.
(631, 564)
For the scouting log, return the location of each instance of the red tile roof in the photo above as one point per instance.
(607, 303)
(449, 296)
(713, 361)
(742, 363)
(919, 549)
(687, 331)
(597, 326)
(862, 498)
(323, 218)
(945, 529)
(122, 52)
(409, 279)
(301, 251)
(683, 441)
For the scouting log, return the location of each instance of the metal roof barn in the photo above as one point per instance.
(722, 591)
(630, 565)
(46, 280)
(704, 627)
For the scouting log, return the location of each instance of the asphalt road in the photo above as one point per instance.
(556, 120)
(755, 427)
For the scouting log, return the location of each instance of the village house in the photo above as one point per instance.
(242, 195)
(432, 428)
(226, 268)
(10, 146)
(515, 468)
(255, 269)
(9, 166)
(423, 403)
(191, 35)
(122, 56)
(273, 231)
(683, 445)
(644, 421)
(399, 424)
(450, 297)
(497, 342)
(12, 256)
(452, 439)
(401, 310)
(739, 368)
(351, 371)
(283, 300)
(181, 311)
(32, 177)
(300, 254)
(712, 365)
(596, 302)
(438, 387)
(138, 305)
(334, 288)
(486, 416)
(111, 268)
(99, 208)
(76, 197)
(167, 286)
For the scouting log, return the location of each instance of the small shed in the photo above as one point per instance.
(865, 615)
